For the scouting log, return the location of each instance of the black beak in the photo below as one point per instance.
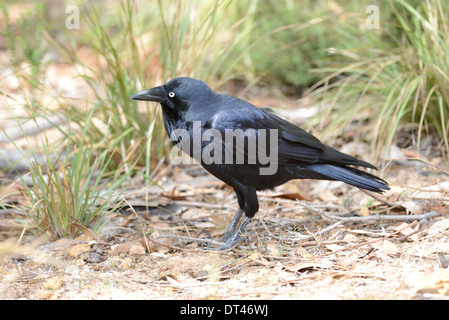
(156, 94)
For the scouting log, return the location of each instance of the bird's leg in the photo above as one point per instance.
(235, 221)
(234, 239)
(247, 199)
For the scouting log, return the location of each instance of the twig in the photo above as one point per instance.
(21, 161)
(343, 220)
(368, 242)
(188, 250)
(413, 217)
(428, 215)
(416, 156)
(30, 128)
(311, 236)
(171, 236)
(385, 201)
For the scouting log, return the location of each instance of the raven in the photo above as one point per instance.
(190, 109)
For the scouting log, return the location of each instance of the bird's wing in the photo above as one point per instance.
(295, 145)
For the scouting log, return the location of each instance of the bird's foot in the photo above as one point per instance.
(230, 243)
(231, 238)
(228, 235)
(220, 245)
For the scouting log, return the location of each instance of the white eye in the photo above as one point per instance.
(171, 94)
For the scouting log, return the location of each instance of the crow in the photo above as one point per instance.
(247, 147)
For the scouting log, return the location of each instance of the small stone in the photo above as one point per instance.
(77, 249)
(93, 257)
(53, 284)
(136, 249)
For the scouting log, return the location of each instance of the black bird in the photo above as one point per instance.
(190, 107)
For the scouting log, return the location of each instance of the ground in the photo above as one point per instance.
(298, 247)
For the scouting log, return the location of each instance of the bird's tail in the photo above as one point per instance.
(352, 176)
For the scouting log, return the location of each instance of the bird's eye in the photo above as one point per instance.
(171, 94)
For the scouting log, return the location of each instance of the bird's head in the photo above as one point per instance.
(178, 93)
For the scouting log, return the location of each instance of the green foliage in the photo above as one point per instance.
(296, 38)
(129, 49)
(73, 189)
(135, 49)
(25, 44)
(400, 81)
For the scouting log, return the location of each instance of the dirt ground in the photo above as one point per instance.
(299, 246)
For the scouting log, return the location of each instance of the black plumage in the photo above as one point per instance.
(189, 104)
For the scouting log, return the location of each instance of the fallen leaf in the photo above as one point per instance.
(327, 195)
(437, 282)
(406, 231)
(438, 227)
(334, 247)
(194, 214)
(412, 207)
(350, 238)
(273, 249)
(173, 196)
(385, 246)
(137, 249)
(364, 211)
(133, 247)
(439, 191)
(151, 246)
(290, 196)
(88, 234)
(310, 265)
(205, 225)
(255, 257)
(172, 281)
(148, 245)
(13, 193)
(412, 154)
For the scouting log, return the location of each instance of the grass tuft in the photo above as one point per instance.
(399, 83)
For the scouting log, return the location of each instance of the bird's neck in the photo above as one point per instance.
(173, 119)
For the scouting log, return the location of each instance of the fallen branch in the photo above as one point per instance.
(368, 242)
(30, 127)
(213, 242)
(342, 220)
(16, 160)
(428, 215)
(413, 217)
(310, 236)
(384, 201)
(171, 236)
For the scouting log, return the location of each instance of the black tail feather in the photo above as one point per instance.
(352, 176)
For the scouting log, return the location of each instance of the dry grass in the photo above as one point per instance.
(153, 253)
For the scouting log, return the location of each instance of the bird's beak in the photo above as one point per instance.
(156, 94)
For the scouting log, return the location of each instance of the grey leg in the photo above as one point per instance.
(233, 225)
(234, 239)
